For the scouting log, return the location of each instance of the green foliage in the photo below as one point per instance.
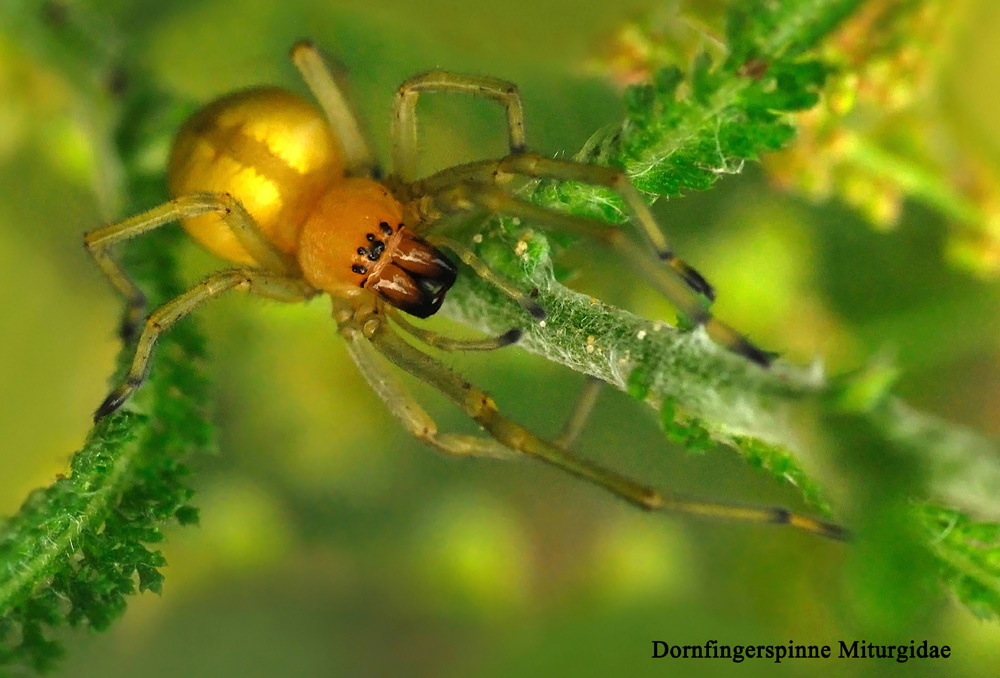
(690, 433)
(885, 128)
(779, 463)
(77, 548)
(672, 143)
(968, 552)
(683, 131)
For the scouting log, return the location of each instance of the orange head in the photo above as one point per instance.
(355, 237)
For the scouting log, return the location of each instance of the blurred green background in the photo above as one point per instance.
(331, 543)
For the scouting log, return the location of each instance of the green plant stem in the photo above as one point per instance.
(101, 471)
(963, 467)
(83, 539)
(730, 395)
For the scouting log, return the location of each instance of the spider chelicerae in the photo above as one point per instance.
(291, 196)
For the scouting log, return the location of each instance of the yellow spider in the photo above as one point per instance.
(262, 179)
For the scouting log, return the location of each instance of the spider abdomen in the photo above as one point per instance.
(269, 149)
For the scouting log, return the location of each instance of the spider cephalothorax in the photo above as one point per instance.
(262, 179)
(355, 236)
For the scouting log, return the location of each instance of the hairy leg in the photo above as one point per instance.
(329, 92)
(481, 408)
(404, 118)
(473, 196)
(501, 172)
(401, 404)
(254, 281)
(448, 343)
(99, 242)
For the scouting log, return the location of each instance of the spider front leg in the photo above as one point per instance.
(537, 166)
(254, 281)
(481, 269)
(99, 242)
(481, 408)
(444, 343)
(400, 403)
(500, 172)
(574, 424)
(404, 116)
(475, 196)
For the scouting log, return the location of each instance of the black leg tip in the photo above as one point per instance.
(536, 311)
(692, 278)
(782, 516)
(511, 336)
(128, 331)
(532, 307)
(837, 532)
(110, 404)
(697, 282)
(133, 319)
(755, 354)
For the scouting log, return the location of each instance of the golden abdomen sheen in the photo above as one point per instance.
(270, 149)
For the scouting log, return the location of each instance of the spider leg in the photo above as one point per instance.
(404, 118)
(99, 241)
(532, 165)
(481, 408)
(329, 92)
(471, 196)
(582, 409)
(537, 166)
(480, 268)
(402, 405)
(448, 343)
(254, 281)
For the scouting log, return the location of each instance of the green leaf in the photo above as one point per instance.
(968, 553)
(78, 548)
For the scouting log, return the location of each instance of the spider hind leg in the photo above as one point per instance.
(364, 333)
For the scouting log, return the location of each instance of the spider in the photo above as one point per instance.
(292, 197)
